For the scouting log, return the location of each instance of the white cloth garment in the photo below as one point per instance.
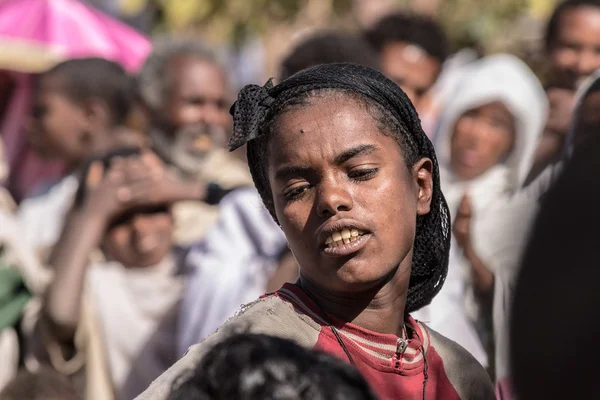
(230, 267)
(495, 230)
(42, 218)
(137, 311)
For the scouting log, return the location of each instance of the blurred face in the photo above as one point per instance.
(482, 138)
(344, 196)
(411, 68)
(196, 119)
(588, 119)
(57, 126)
(140, 239)
(576, 52)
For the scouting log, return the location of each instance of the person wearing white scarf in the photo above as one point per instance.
(496, 224)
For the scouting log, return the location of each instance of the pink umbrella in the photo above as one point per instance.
(35, 35)
(67, 29)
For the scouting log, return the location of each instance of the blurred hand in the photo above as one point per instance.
(107, 192)
(562, 102)
(152, 182)
(136, 181)
(462, 223)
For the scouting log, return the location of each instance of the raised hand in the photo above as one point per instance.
(462, 223)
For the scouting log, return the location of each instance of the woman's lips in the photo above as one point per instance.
(346, 248)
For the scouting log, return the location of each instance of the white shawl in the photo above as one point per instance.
(506, 79)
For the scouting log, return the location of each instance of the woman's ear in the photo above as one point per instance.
(423, 176)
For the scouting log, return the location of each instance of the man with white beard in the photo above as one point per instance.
(184, 91)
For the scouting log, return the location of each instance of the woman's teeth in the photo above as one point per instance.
(343, 237)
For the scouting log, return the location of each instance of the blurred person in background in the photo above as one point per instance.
(79, 110)
(412, 49)
(325, 47)
(572, 46)
(558, 281)
(584, 129)
(268, 367)
(44, 384)
(111, 318)
(185, 91)
(222, 279)
(485, 144)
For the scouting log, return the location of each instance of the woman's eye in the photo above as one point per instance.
(363, 174)
(295, 192)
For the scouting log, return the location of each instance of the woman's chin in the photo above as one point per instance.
(360, 278)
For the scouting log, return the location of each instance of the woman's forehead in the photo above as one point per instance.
(323, 126)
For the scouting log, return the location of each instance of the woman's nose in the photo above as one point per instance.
(332, 197)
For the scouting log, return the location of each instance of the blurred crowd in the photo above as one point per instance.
(145, 234)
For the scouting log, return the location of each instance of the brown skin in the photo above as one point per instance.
(482, 138)
(325, 184)
(198, 94)
(131, 187)
(411, 68)
(287, 271)
(574, 55)
(483, 278)
(62, 129)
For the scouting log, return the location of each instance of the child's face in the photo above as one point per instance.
(482, 138)
(140, 239)
(57, 126)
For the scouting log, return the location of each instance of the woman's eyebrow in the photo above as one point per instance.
(286, 172)
(362, 149)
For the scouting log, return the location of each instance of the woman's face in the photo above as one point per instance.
(344, 196)
(482, 138)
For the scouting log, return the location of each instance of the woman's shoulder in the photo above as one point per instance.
(466, 374)
(268, 315)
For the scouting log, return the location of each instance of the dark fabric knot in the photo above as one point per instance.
(250, 109)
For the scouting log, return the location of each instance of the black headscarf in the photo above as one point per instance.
(256, 105)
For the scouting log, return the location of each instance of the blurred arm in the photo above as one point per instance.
(82, 234)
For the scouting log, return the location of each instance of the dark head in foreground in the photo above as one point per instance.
(254, 367)
(555, 322)
(45, 384)
(339, 158)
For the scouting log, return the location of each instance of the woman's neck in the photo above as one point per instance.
(380, 309)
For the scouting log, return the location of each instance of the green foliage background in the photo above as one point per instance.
(484, 21)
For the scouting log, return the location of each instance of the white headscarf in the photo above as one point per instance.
(496, 226)
(506, 79)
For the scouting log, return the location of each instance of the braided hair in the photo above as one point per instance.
(257, 108)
